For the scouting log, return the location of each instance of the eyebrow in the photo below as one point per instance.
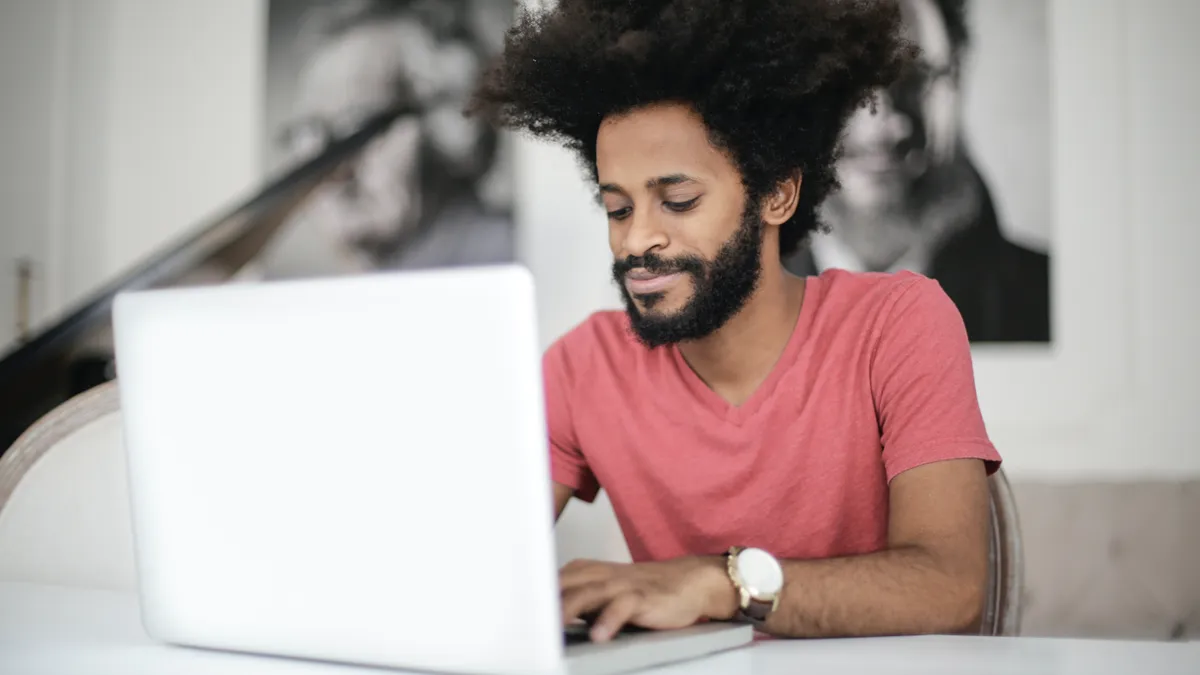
(660, 181)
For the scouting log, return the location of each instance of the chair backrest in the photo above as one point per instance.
(64, 505)
(1002, 606)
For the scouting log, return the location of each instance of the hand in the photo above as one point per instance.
(660, 595)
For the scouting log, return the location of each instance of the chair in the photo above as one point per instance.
(1002, 606)
(64, 511)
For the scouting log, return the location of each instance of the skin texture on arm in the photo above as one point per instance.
(930, 579)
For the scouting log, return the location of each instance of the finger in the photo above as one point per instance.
(616, 614)
(592, 597)
(576, 564)
(581, 572)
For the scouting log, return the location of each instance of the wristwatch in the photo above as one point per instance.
(758, 578)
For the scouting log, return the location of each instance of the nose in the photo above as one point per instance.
(642, 233)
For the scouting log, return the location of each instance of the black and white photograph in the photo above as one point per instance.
(950, 174)
(433, 190)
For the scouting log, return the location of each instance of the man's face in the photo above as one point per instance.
(364, 72)
(913, 129)
(687, 246)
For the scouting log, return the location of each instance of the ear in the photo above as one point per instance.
(781, 203)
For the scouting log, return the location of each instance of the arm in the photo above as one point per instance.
(930, 579)
(570, 475)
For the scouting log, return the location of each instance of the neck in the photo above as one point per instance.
(736, 359)
(871, 241)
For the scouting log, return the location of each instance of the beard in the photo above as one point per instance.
(720, 287)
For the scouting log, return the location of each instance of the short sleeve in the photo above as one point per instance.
(923, 382)
(567, 463)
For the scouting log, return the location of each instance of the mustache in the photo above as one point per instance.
(657, 264)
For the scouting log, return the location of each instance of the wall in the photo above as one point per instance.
(33, 64)
(165, 127)
(162, 127)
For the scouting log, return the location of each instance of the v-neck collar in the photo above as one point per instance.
(738, 414)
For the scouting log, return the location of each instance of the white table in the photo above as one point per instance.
(47, 630)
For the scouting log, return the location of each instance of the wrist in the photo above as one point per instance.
(757, 578)
(721, 596)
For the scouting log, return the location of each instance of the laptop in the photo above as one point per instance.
(355, 470)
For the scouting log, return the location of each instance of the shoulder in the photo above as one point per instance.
(604, 337)
(877, 307)
(874, 294)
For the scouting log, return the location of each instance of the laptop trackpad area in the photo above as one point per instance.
(639, 649)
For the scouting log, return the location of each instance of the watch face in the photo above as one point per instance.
(760, 572)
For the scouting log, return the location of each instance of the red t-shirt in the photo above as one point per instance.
(876, 379)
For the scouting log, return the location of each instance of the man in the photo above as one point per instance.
(912, 199)
(430, 191)
(803, 453)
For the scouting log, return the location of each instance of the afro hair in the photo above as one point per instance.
(774, 81)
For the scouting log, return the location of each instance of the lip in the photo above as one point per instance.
(642, 283)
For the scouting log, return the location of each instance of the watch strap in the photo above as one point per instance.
(755, 612)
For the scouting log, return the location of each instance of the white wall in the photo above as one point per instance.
(164, 126)
(32, 77)
(171, 129)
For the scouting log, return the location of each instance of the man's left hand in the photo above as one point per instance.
(659, 595)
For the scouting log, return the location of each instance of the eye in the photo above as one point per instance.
(680, 207)
(620, 214)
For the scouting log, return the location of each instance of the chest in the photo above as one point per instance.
(809, 427)
(801, 473)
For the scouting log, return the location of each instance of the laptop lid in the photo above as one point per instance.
(344, 469)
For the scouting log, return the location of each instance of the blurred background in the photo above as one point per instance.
(1051, 155)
